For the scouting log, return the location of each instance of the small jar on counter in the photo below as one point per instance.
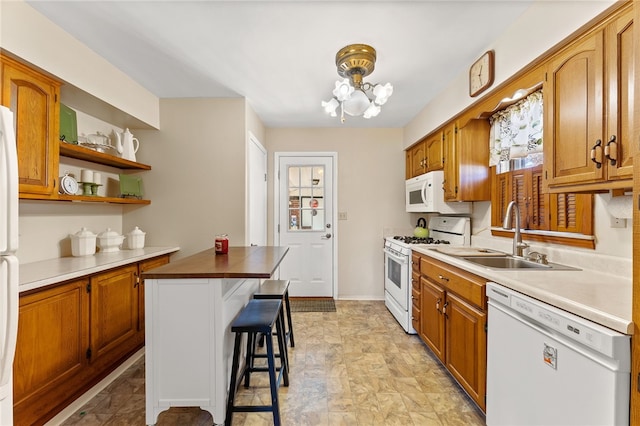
(222, 244)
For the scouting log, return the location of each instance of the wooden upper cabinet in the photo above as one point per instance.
(435, 153)
(418, 161)
(587, 143)
(466, 169)
(619, 152)
(33, 98)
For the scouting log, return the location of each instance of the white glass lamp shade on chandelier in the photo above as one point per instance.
(351, 94)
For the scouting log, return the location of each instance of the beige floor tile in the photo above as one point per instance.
(352, 367)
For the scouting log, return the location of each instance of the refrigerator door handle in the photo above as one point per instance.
(10, 332)
(8, 182)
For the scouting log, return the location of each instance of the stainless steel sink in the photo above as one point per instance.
(510, 262)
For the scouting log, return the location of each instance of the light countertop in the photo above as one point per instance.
(602, 298)
(46, 272)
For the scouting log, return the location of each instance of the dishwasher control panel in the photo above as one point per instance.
(590, 334)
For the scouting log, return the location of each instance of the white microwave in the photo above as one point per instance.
(425, 194)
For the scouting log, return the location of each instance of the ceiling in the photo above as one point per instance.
(280, 55)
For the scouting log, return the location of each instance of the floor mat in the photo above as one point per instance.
(313, 305)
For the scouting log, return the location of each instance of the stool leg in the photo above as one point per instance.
(275, 408)
(282, 346)
(232, 385)
(288, 306)
(249, 357)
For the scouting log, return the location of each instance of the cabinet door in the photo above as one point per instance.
(450, 184)
(435, 153)
(418, 160)
(114, 313)
(33, 98)
(574, 113)
(466, 350)
(51, 352)
(432, 320)
(619, 61)
(471, 162)
(144, 266)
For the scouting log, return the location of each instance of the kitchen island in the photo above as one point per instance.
(189, 306)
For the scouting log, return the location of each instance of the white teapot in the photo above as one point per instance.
(125, 145)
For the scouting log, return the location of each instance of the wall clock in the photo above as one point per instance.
(481, 74)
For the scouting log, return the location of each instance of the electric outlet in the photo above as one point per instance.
(342, 215)
(618, 223)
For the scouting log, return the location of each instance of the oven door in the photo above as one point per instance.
(396, 277)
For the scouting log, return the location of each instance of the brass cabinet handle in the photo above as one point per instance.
(438, 305)
(596, 153)
(611, 150)
(443, 278)
(444, 308)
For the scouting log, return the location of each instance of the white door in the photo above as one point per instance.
(305, 213)
(257, 193)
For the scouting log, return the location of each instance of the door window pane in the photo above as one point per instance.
(306, 198)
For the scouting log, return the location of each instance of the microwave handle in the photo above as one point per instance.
(423, 192)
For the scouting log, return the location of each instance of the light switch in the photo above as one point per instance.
(342, 215)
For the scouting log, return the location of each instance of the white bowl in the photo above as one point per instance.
(109, 241)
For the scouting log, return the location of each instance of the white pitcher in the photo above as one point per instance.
(128, 149)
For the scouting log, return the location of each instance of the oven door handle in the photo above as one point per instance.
(399, 259)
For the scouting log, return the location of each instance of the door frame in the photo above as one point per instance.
(334, 214)
(253, 140)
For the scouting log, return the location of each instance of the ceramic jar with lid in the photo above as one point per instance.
(83, 243)
(135, 239)
(109, 241)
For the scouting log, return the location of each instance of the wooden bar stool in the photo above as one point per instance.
(259, 316)
(278, 289)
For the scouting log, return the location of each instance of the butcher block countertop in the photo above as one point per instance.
(602, 298)
(240, 262)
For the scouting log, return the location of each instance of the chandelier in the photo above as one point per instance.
(351, 94)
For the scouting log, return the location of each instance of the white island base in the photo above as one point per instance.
(189, 344)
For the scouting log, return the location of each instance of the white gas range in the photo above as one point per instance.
(452, 230)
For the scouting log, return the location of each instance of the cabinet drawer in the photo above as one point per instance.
(415, 263)
(415, 297)
(458, 281)
(415, 281)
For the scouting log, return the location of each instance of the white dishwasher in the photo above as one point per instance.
(547, 367)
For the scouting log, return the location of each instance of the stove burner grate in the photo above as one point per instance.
(418, 240)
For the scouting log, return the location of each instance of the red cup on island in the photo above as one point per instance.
(222, 244)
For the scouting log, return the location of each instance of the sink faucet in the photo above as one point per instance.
(518, 245)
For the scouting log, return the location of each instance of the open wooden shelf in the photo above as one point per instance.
(84, 198)
(82, 153)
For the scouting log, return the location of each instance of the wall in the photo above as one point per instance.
(54, 50)
(542, 26)
(370, 190)
(197, 181)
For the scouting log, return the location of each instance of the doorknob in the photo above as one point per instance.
(325, 236)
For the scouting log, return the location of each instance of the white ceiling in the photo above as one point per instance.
(280, 55)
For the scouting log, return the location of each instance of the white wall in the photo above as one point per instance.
(542, 26)
(197, 182)
(370, 190)
(26, 33)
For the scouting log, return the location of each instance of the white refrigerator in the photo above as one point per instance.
(8, 261)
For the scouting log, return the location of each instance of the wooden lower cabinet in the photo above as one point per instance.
(453, 323)
(51, 353)
(432, 321)
(72, 335)
(467, 347)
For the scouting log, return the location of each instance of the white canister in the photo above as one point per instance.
(109, 241)
(135, 239)
(83, 243)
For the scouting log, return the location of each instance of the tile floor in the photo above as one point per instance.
(355, 366)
